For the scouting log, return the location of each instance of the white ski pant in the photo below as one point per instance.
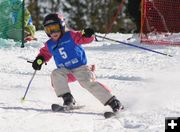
(85, 77)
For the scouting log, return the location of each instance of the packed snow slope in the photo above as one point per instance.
(148, 84)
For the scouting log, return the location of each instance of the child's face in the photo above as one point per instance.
(55, 36)
(53, 30)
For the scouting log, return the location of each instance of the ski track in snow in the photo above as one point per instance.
(146, 83)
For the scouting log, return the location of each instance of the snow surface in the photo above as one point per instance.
(148, 84)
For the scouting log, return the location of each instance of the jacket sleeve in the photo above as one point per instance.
(45, 53)
(79, 38)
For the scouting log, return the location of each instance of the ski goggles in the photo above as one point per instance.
(52, 28)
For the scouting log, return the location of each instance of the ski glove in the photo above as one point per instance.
(37, 63)
(88, 32)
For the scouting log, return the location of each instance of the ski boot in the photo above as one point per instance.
(115, 104)
(68, 100)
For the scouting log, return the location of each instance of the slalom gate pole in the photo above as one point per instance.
(136, 46)
(114, 18)
(22, 39)
(23, 98)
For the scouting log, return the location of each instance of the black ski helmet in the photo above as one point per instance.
(55, 18)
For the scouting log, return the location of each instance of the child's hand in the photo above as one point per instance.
(37, 63)
(88, 32)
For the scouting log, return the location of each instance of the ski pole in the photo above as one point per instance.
(136, 46)
(23, 98)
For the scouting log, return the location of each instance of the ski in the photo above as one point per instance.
(110, 114)
(60, 108)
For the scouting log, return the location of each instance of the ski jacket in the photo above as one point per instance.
(67, 51)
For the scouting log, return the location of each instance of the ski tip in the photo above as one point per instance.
(108, 114)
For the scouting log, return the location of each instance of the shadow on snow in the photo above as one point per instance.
(49, 110)
(124, 78)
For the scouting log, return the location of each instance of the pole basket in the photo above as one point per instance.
(160, 22)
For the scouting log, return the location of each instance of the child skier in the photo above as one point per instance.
(70, 59)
